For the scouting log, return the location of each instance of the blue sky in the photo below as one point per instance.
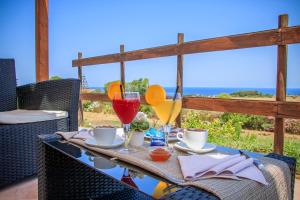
(98, 27)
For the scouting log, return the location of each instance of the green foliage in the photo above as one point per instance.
(139, 125)
(218, 131)
(249, 93)
(223, 96)
(251, 122)
(107, 108)
(147, 110)
(55, 78)
(139, 85)
(90, 106)
(86, 105)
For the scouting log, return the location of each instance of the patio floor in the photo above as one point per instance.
(28, 191)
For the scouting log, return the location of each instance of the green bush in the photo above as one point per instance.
(55, 78)
(250, 93)
(251, 122)
(139, 126)
(86, 105)
(223, 96)
(139, 85)
(107, 108)
(218, 132)
(90, 106)
(147, 110)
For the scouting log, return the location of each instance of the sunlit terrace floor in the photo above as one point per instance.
(27, 190)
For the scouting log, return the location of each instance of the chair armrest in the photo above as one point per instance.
(52, 95)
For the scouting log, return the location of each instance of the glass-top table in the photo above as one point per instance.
(67, 171)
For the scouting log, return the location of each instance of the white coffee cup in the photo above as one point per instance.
(104, 135)
(194, 138)
(102, 163)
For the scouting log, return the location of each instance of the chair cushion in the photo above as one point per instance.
(28, 116)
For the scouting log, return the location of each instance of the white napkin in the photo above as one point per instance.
(82, 134)
(196, 167)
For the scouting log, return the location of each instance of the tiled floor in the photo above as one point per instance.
(28, 191)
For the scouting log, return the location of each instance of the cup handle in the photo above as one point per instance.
(90, 132)
(90, 158)
(180, 136)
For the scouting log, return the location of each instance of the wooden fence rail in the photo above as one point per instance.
(280, 109)
(281, 36)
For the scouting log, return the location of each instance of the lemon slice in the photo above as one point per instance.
(155, 95)
(114, 89)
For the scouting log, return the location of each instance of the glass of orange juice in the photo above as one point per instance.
(167, 112)
(166, 108)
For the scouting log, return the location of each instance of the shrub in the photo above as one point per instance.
(251, 122)
(224, 96)
(139, 85)
(147, 110)
(218, 132)
(107, 108)
(292, 126)
(55, 78)
(202, 115)
(250, 93)
(91, 106)
(86, 105)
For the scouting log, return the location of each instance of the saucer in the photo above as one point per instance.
(117, 142)
(183, 147)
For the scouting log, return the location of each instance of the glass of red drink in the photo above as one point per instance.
(126, 107)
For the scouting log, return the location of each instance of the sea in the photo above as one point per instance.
(213, 91)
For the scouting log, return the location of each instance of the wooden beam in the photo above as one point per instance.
(122, 65)
(280, 87)
(101, 97)
(289, 35)
(288, 110)
(179, 80)
(255, 107)
(41, 40)
(81, 118)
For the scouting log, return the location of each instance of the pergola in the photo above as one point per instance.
(41, 40)
(281, 37)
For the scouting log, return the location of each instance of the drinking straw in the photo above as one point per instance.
(173, 105)
(121, 88)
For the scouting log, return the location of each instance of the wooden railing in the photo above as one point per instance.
(280, 109)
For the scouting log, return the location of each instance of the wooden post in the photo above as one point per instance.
(122, 65)
(179, 82)
(41, 40)
(81, 119)
(280, 86)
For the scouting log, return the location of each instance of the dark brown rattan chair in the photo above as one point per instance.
(18, 141)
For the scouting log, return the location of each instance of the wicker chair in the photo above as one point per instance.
(18, 141)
